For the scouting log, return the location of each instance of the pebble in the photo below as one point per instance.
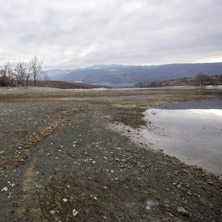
(189, 193)
(65, 200)
(4, 189)
(74, 212)
(52, 212)
(179, 186)
(182, 211)
(209, 181)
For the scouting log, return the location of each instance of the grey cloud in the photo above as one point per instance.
(69, 34)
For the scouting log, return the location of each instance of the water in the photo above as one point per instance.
(191, 131)
(109, 98)
(132, 89)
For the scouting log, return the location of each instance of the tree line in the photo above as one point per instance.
(200, 79)
(20, 73)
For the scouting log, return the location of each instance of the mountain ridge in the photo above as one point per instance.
(114, 74)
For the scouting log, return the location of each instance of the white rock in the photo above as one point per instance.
(4, 189)
(65, 200)
(52, 212)
(150, 204)
(74, 212)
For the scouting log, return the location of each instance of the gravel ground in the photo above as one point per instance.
(64, 161)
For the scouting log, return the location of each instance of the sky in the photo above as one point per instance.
(67, 34)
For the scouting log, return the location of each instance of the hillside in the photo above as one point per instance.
(129, 75)
(205, 80)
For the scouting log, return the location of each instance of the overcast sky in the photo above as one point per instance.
(80, 33)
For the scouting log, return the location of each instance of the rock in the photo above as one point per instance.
(182, 211)
(209, 181)
(65, 200)
(4, 189)
(189, 192)
(150, 204)
(52, 212)
(186, 171)
(123, 160)
(74, 212)
(179, 186)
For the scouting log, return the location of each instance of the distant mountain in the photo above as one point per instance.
(119, 75)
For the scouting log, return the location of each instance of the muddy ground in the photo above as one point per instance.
(66, 161)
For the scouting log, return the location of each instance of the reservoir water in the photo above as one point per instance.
(191, 131)
(110, 97)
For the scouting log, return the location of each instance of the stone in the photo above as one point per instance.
(182, 211)
(209, 181)
(74, 212)
(52, 212)
(4, 189)
(189, 192)
(179, 186)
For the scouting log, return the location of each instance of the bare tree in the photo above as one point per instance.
(201, 77)
(10, 70)
(6, 73)
(7, 70)
(20, 72)
(36, 68)
(28, 72)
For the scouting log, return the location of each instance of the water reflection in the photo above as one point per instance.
(110, 97)
(193, 135)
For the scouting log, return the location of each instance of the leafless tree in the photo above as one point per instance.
(6, 74)
(202, 78)
(7, 70)
(36, 68)
(20, 72)
(28, 72)
(10, 68)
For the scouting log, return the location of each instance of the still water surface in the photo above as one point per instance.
(191, 131)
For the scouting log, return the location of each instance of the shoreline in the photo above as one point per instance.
(138, 137)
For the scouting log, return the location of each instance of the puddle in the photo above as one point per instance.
(191, 131)
(109, 98)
